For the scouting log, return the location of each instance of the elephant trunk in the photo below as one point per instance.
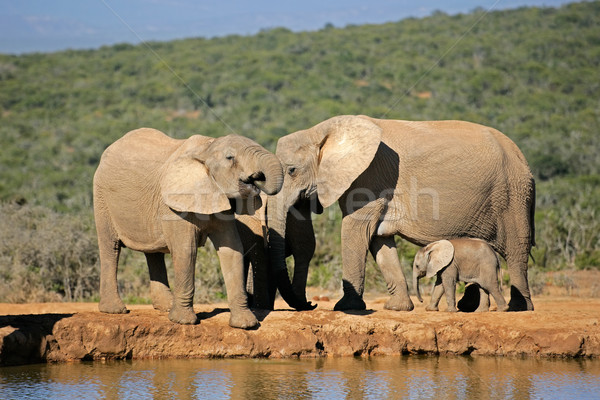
(276, 220)
(268, 175)
(416, 282)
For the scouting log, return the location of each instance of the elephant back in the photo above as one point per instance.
(143, 145)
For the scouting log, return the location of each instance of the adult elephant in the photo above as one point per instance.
(158, 195)
(424, 181)
(253, 234)
(300, 244)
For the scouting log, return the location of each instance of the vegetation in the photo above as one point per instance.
(531, 73)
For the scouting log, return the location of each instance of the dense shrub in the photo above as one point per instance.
(46, 256)
(50, 256)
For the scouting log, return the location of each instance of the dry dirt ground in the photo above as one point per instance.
(560, 326)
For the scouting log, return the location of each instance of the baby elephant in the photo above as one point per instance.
(467, 260)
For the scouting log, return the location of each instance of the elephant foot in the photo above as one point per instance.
(520, 305)
(305, 306)
(183, 315)
(399, 303)
(431, 308)
(162, 298)
(112, 307)
(350, 303)
(502, 308)
(484, 305)
(163, 302)
(243, 319)
(162, 306)
(518, 302)
(452, 310)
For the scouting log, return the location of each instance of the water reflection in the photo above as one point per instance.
(341, 378)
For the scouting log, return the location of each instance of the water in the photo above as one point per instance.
(412, 377)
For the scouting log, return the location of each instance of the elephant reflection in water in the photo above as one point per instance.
(345, 377)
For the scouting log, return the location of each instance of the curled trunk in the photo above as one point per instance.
(269, 173)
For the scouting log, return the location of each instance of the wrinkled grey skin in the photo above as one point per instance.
(466, 260)
(300, 243)
(422, 180)
(253, 234)
(160, 195)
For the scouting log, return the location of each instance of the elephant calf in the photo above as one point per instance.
(160, 195)
(467, 260)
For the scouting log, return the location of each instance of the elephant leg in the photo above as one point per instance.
(229, 249)
(520, 295)
(383, 249)
(249, 275)
(517, 230)
(109, 251)
(162, 298)
(484, 300)
(436, 295)
(498, 298)
(355, 243)
(182, 240)
(300, 236)
(261, 291)
(256, 262)
(184, 265)
(449, 283)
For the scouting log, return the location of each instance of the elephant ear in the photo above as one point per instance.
(186, 185)
(348, 147)
(441, 254)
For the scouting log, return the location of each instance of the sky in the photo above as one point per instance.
(50, 25)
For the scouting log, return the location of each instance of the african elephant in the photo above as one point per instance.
(424, 181)
(158, 195)
(253, 234)
(466, 260)
(251, 229)
(300, 243)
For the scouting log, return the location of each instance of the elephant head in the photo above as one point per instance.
(320, 164)
(430, 260)
(207, 175)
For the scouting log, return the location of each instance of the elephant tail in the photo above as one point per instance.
(532, 216)
(532, 221)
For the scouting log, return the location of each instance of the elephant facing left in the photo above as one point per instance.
(158, 195)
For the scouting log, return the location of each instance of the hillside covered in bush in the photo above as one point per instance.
(532, 73)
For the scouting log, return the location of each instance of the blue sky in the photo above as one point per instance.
(51, 25)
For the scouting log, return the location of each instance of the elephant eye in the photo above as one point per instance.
(291, 170)
(230, 157)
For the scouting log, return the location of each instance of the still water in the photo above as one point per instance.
(333, 378)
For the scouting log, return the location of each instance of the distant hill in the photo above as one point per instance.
(531, 73)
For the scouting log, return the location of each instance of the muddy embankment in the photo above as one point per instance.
(559, 327)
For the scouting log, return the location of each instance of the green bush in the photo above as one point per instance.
(567, 224)
(46, 256)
